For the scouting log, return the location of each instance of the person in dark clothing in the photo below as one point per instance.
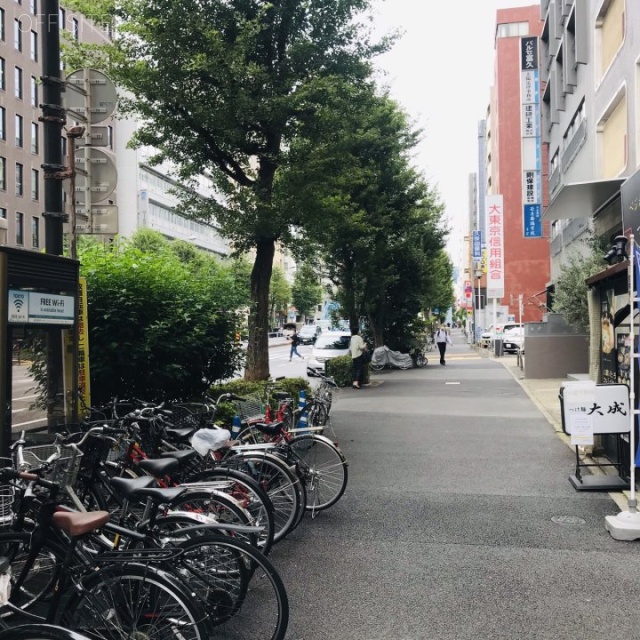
(295, 341)
(442, 339)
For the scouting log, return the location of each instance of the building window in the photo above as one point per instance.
(2, 23)
(3, 212)
(17, 35)
(35, 232)
(19, 228)
(33, 5)
(19, 131)
(3, 123)
(512, 29)
(3, 74)
(610, 27)
(35, 137)
(75, 28)
(19, 179)
(35, 184)
(612, 136)
(17, 79)
(34, 92)
(34, 46)
(3, 174)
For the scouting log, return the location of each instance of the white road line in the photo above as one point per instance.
(22, 424)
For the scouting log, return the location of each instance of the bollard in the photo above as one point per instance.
(236, 425)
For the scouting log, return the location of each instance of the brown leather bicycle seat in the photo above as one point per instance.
(77, 524)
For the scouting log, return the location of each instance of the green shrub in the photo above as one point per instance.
(340, 370)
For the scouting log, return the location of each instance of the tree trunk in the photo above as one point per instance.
(257, 366)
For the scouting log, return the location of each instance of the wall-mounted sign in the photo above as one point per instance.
(530, 139)
(477, 245)
(31, 307)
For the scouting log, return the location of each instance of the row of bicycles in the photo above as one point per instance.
(122, 530)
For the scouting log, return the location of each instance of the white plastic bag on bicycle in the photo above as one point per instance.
(205, 440)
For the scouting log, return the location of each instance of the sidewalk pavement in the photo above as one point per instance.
(544, 393)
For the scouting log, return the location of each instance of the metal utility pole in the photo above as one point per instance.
(53, 118)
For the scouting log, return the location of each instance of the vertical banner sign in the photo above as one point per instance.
(530, 135)
(468, 292)
(495, 246)
(477, 245)
(84, 386)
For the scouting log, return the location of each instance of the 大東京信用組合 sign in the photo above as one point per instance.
(32, 307)
(589, 408)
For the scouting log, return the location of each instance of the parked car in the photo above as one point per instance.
(330, 344)
(487, 337)
(309, 333)
(513, 340)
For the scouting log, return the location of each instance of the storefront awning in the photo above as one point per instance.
(581, 199)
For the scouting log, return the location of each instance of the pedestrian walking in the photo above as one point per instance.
(295, 341)
(357, 347)
(442, 339)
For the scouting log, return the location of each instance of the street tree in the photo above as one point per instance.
(279, 295)
(222, 87)
(306, 292)
(377, 222)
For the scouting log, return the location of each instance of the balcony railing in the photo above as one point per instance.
(574, 145)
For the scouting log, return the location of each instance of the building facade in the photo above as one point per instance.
(515, 174)
(591, 118)
(141, 195)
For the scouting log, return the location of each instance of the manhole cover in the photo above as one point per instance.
(567, 520)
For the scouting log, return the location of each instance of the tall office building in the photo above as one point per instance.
(516, 239)
(142, 195)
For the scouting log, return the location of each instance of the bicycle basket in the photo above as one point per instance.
(191, 414)
(7, 496)
(251, 410)
(64, 470)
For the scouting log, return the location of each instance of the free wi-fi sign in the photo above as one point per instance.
(18, 306)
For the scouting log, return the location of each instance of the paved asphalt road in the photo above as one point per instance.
(459, 522)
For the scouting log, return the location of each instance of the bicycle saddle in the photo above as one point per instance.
(126, 486)
(270, 429)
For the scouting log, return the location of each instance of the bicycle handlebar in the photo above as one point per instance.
(11, 474)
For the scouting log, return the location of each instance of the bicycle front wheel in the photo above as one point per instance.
(40, 632)
(243, 594)
(325, 469)
(135, 601)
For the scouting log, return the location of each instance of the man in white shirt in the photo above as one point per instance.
(357, 348)
(442, 339)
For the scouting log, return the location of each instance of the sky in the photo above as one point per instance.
(440, 71)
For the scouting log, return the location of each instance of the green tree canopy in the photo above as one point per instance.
(306, 292)
(222, 87)
(279, 294)
(376, 223)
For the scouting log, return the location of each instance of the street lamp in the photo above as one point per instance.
(478, 275)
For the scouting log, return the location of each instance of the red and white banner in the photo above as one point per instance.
(495, 247)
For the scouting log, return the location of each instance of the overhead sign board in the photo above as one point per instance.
(32, 307)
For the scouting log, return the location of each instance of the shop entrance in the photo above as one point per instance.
(38, 312)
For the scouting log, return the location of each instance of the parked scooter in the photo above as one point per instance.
(384, 358)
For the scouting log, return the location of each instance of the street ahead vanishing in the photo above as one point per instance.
(459, 522)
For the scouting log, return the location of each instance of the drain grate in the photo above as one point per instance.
(567, 520)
